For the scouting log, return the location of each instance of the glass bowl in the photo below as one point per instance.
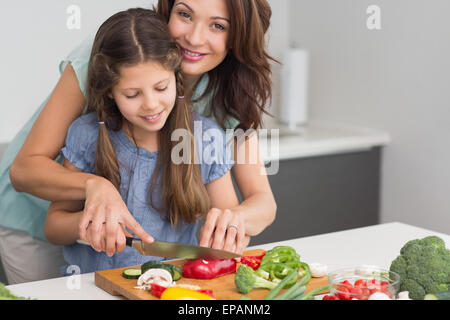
(361, 282)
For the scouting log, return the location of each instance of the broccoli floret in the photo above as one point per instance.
(423, 266)
(5, 294)
(246, 279)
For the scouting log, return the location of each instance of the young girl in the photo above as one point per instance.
(136, 95)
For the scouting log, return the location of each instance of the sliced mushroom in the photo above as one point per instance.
(318, 269)
(157, 276)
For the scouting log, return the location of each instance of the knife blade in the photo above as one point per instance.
(175, 250)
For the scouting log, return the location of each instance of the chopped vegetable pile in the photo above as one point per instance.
(361, 289)
(279, 268)
(423, 266)
(5, 294)
(280, 261)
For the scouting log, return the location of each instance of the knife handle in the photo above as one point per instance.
(129, 241)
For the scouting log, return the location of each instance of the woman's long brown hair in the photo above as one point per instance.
(126, 39)
(241, 84)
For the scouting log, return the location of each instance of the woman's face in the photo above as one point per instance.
(201, 28)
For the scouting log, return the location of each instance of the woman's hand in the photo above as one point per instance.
(106, 217)
(225, 230)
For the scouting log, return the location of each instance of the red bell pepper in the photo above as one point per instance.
(252, 261)
(157, 290)
(208, 269)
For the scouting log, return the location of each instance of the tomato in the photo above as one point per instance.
(357, 291)
(374, 283)
(344, 293)
(328, 297)
(361, 283)
(346, 283)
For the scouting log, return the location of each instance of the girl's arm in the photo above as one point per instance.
(34, 170)
(253, 215)
(63, 217)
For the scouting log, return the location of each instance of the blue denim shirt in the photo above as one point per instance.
(136, 168)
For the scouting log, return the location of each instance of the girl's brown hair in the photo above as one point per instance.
(241, 84)
(126, 39)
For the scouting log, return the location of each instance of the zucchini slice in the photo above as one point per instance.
(132, 273)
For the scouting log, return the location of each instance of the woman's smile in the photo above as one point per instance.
(192, 55)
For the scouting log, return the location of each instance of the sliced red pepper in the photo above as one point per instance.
(207, 291)
(157, 290)
(208, 269)
(252, 261)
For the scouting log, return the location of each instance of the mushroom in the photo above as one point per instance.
(318, 269)
(157, 276)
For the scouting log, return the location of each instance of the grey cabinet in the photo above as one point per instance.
(324, 194)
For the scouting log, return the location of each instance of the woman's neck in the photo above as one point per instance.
(190, 82)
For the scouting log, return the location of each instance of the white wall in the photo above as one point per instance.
(34, 38)
(397, 79)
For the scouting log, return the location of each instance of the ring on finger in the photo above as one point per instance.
(233, 226)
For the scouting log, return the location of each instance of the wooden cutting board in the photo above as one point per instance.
(223, 287)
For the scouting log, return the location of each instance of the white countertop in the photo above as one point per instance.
(319, 139)
(374, 245)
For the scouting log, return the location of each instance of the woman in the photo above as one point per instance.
(227, 74)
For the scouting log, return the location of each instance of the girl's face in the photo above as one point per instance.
(145, 95)
(201, 28)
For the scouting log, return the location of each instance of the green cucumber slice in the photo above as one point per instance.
(131, 273)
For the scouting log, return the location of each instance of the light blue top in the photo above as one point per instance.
(136, 169)
(24, 212)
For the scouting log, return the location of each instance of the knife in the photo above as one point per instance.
(175, 250)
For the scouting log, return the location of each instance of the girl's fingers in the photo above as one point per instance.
(207, 230)
(95, 230)
(111, 234)
(85, 221)
(121, 239)
(233, 232)
(241, 241)
(222, 227)
(131, 224)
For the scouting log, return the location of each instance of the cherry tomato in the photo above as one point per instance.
(357, 292)
(361, 283)
(328, 297)
(344, 293)
(346, 283)
(374, 283)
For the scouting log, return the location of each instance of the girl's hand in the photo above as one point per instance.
(105, 218)
(224, 230)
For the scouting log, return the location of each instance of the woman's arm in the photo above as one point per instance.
(253, 215)
(258, 208)
(34, 171)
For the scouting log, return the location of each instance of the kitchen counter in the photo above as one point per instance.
(374, 245)
(319, 139)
